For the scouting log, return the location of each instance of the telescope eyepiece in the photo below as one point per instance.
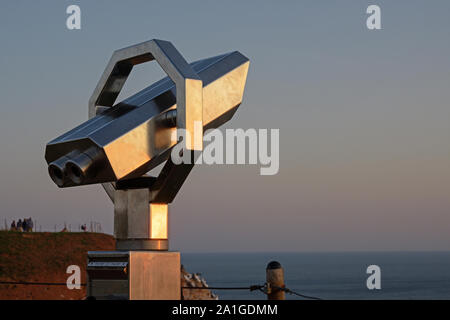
(57, 169)
(76, 167)
(74, 172)
(83, 166)
(57, 173)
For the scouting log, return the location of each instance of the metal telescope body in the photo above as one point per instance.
(121, 142)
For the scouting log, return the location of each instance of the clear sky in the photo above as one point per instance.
(363, 118)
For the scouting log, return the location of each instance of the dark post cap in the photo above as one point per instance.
(273, 265)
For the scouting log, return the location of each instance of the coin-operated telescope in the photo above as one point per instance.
(122, 142)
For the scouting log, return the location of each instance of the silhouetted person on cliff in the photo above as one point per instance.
(13, 226)
(29, 225)
(19, 225)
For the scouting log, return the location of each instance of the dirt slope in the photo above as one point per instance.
(45, 256)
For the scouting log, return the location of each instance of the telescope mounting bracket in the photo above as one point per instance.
(189, 91)
(189, 110)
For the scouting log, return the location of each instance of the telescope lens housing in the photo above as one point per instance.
(57, 174)
(127, 139)
(75, 167)
(82, 167)
(74, 172)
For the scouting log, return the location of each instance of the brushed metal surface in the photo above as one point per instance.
(154, 275)
(132, 137)
(142, 244)
(122, 142)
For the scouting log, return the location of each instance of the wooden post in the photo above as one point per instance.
(274, 280)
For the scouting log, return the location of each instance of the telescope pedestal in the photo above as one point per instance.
(141, 268)
(142, 244)
(123, 141)
(139, 224)
(134, 275)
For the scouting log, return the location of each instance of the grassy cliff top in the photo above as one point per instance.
(44, 257)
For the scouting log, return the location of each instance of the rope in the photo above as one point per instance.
(289, 291)
(264, 289)
(251, 288)
(38, 283)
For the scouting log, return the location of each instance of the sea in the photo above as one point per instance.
(328, 276)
